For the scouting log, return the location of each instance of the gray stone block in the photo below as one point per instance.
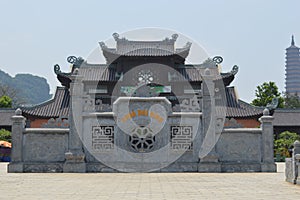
(209, 167)
(240, 167)
(43, 167)
(268, 167)
(289, 177)
(15, 167)
(74, 168)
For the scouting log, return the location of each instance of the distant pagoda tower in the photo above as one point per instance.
(292, 68)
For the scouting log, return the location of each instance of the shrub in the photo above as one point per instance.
(5, 135)
(5, 102)
(284, 143)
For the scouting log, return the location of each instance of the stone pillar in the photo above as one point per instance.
(18, 126)
(296, 162)
(209, 159)
(75, 157)
(268, 164)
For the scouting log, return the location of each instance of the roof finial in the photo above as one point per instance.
(116, 36)
(293, 42)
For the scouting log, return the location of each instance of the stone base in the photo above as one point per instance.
(241, 167)
(298, 178)
(180, 167)
(43, 167)
(98, 167)
(15, 168)
(209, 167)
(73, 167)
(268, 167)
(289, 175)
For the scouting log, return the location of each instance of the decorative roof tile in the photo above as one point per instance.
(125, 47)
(286, 117)
(56, 107)
(239, 109)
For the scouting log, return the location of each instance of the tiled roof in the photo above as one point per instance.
(59, 106)
(286, 117)
(98, 73)
(5, 116)
(125, 47)
(145, 51)
(238, 108)
(103, 73)
(56, 107)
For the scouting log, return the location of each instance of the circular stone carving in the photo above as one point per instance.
(142, 139)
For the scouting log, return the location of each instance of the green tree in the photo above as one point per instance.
(5, 102)
(265, 93)
(284, 142)
(5, 135)
(291, 101)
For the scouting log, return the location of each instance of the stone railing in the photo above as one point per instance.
(292, 165)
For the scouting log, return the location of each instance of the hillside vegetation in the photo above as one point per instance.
(24, 88)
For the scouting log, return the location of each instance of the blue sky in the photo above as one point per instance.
(35, 35)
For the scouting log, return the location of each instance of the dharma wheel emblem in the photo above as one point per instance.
(142, 139)
(145, 77)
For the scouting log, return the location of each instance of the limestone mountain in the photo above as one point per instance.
(24, 88)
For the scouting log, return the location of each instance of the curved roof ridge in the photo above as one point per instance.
(55, 107)
(47, 101)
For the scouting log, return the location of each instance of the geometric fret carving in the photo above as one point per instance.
(181, 137)
(102, 137)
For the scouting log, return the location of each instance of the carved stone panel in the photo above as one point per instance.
(181, 137)
(102, 137)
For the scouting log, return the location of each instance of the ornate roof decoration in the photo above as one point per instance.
(101, 72)
(125, 47)
(64, 77)
(273, 105)
(235, 70)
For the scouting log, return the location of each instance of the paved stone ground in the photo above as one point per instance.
(147, 186)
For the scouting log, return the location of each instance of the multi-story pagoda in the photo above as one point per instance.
(292, 68)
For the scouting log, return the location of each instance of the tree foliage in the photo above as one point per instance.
(5, 135)
(291, 101)
(285, 142)
(265, 93)
(5, 102)
(6, 90)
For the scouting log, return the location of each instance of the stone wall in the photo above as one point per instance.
(239, 149)
(48, 149)
(144, 134)
(37, 149)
